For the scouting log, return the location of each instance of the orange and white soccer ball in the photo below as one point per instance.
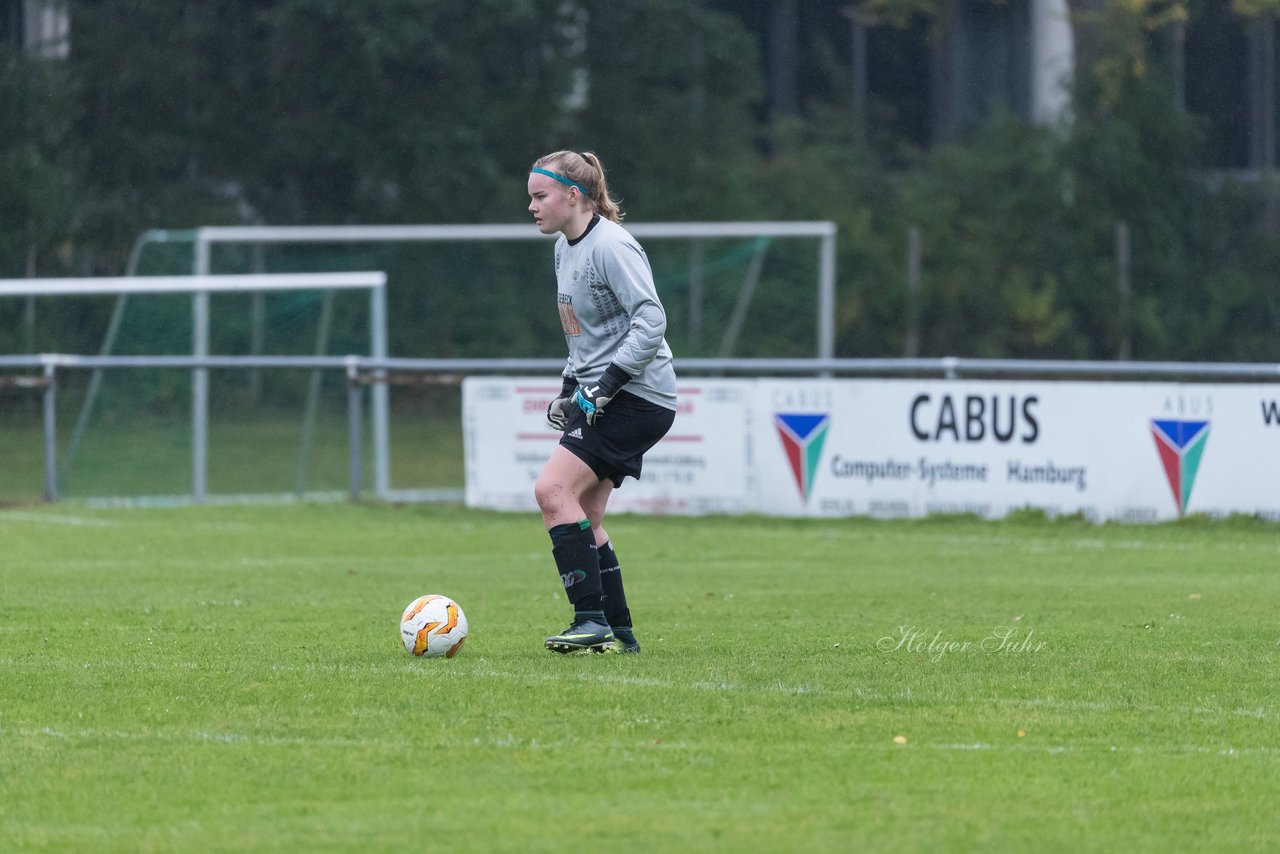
(433, 626)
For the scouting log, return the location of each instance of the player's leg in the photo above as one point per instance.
(563, 485)
(590, 462)
(614, 595)
(594, 501)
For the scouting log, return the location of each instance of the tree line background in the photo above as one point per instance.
(174, 115)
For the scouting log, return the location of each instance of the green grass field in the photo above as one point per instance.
(231, 678)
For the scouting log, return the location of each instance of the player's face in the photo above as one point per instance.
(549, 203)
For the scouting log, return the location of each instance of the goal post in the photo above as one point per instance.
(201, 288)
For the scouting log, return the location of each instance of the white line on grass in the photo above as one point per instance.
(1261, 713)
(167, 502)
(1258, 713)
(83, 521)
(1048, 545)
(258, 740)
(508, 741)
(1054, 749)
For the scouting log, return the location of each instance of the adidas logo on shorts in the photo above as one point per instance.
(575, 433)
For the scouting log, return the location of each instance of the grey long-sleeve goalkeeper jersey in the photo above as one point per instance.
(610, 312)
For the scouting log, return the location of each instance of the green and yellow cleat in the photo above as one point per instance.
(582, 636)
(624, 641)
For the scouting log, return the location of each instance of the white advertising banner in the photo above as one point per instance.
(1123, 451)
(1126, 451)
(699, 467)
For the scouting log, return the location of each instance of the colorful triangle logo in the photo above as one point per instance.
(1180, 445)
(802, 435)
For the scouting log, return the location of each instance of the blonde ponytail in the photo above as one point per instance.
(587, 172)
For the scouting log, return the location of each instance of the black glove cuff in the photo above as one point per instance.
(567, 385)
(614, 378)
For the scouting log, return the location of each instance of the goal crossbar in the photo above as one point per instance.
(824, 231)
(479, 231)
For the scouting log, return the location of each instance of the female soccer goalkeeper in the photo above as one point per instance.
(618, 396)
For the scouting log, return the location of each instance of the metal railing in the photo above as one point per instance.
(362, 372)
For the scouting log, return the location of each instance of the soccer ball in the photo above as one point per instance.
(433, 626)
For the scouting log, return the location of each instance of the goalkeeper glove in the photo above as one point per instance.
(558, 409)
(593, 399)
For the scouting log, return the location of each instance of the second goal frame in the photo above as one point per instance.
(204, 238)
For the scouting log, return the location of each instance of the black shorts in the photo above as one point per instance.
(614, 448)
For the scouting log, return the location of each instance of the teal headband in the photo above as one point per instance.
(562, 180)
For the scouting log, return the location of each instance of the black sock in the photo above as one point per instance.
(615, 597)
(574, 548)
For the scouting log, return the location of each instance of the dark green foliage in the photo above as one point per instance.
(171, 115)
(37, 162)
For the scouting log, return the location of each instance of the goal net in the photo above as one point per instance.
(131, 425)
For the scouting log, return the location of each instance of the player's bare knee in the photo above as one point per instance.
(550, 495)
